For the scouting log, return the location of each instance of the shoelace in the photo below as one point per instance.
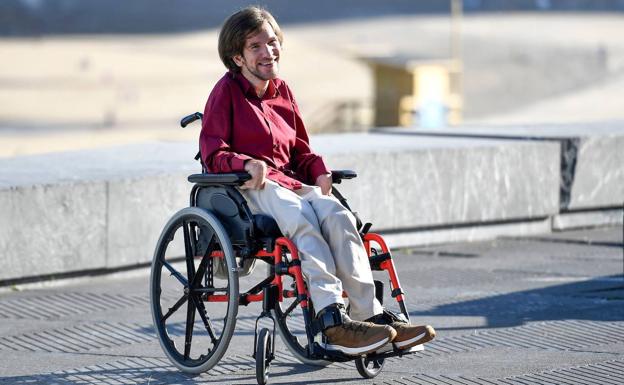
(399, 325)
(356, 327)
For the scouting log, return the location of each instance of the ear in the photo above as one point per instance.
(238, 60)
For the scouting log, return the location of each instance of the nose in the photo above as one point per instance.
(270, 51)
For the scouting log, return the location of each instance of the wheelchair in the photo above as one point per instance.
(195, 290)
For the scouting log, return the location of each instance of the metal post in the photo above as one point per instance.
(456, 52)
(456, 16)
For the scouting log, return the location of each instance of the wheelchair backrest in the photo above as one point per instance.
(229, 207)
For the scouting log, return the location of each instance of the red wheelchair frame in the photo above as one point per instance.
(218, 228)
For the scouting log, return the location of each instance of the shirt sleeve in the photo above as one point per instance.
(214, 140)
(309, 165)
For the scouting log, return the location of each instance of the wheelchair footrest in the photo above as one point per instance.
(331, 355)
(385, 352)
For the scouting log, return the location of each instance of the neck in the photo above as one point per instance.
(259, 85)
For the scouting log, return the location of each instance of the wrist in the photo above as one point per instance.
(324, 176)
(252, 162)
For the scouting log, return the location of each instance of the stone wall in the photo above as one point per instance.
(100, 209)
(591, 164)
(416, 182)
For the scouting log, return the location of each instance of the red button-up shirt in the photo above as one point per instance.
(237, 126)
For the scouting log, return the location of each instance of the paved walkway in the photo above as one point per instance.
(547, 309)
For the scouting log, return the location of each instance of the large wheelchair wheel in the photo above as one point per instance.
(292, 329)
(194, 312)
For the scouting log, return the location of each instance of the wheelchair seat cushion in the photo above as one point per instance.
(266, 226)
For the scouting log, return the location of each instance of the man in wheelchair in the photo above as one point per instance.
(252, 123)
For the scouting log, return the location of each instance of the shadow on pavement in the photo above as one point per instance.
(155, 374)
(597, 299)
(114, 376)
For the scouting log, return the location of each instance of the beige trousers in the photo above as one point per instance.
(332, 254)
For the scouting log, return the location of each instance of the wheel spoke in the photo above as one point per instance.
(175, 307)
(201, 309)
(190, 322)
(193, 234)
(188, 251)
(175, 273)
(210, 290)
(291, 307)
(201, 269)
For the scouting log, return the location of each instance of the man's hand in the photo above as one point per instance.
(325, 183)
(258, 170)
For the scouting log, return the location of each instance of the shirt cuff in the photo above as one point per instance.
(317, 168)
(238, 162)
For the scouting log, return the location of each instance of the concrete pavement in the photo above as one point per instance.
(544, 309)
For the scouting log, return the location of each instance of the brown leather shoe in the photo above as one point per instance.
(409, 336)
(356, 337)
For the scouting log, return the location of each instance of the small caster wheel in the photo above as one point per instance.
(369, 368)
(264, 355)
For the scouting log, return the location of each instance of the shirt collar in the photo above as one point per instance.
(249, 90)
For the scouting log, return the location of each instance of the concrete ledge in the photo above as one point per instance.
(592, 160)
(52, 228)
(406, 182)
(104, 209)
(575, 220)
(85, 210)
(467, 234)
(137, 212)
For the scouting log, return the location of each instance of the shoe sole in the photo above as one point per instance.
(359, 350)
(414, 341)
(392, 347)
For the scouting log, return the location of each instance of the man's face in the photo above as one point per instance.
(261, 54)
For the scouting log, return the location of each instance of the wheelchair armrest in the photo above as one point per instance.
(339, 175)
(231, 179)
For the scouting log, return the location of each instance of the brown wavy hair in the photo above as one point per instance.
(237, 27)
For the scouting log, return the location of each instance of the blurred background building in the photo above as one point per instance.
(79, 74)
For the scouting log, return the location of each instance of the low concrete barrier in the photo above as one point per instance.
(105, 208)
(592, 165)
(86, 210)
(592, 157)
(419, 182)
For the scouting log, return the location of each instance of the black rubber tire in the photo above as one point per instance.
(264, 347)
(291, 329)
(369, 368)
(217, 320)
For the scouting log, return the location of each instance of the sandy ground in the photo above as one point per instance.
(59, 93)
